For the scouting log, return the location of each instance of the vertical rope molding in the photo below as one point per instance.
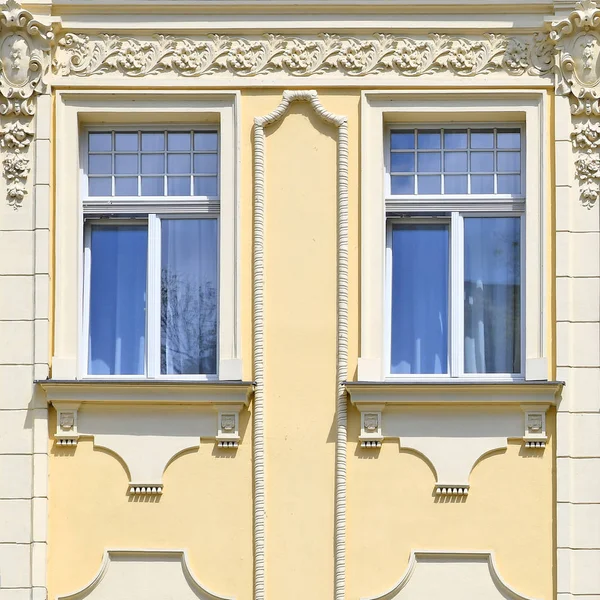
(341, 122)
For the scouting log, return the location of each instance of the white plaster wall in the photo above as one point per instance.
(24, 344)
(578, 364)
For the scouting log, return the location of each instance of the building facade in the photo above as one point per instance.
(299, 299)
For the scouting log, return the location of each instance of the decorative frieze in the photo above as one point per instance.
(84, 55)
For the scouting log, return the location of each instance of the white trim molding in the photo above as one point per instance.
(260, 123)
(453, 575)
(149, 425)
(380, 108)
(144, 573)
(453, 426)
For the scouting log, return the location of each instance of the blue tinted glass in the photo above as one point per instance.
(419, 342)
(429, 162)
(189, 296)
(153, 186)
(427, 140)
(455, 162)
(402, 140)
(100, 186)
(153, 142)
(403, 184)
(509, 161)
(482, 162)
(483, 138)
(126, 142)
(126, 186)
(153, 163)
(403, 162)
(126, 164)
(455, 184)
(100, 142)
(178, 186)
(100, 164)
(455, 140)
(429, 184)
(205, 163)
(482, 184)
(509, 184)
(179, 141)
(179, 163)
(117, 300)
(509, 138)
(205, 140)
(205, 186)
(492, 295)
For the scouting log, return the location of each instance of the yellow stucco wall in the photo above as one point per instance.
(207, 503)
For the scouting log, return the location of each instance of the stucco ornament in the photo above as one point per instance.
(15, 138)
(325, 54)
(24, 59)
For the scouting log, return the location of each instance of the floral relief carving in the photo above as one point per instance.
(84, 55)
(16, 138)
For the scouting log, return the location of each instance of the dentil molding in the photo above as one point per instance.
(149, 574)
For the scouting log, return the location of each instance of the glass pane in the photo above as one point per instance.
(455, 184)
(126, 163)
(100, 164)
(153, 186)
(455, 162)
(455, 140)
(403, 162)
(188, 296)
(509, 184)
(100, 142)
(483, 138)
(429, 184)
(126, 142)
(509, 161)
(429, 140)
(510, 138)
(179, 163)
(117, 300)
(205, 163)
(100, 186)
(153, 142)
(126, 186)
(178, 141)
(403, 140)
(206, 140)
(205, 186)
(419, 342)
(482, 184)
(403, 184)
(492, 295)
(429, 162)
(178, 186)
(482, 162)
(153, 163)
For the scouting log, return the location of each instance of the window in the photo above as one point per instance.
(151, 236)
(455, 212)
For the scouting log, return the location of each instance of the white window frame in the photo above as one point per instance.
(384, 110)
(79, 110)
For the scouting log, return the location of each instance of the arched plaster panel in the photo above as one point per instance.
(148, 574)
(451, 575)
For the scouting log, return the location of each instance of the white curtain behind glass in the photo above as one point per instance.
(492, 295)
(189, 296)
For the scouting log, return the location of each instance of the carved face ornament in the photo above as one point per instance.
(371, 422)
(16, 60)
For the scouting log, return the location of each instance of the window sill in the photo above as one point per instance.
(395, 392)
(147, 391)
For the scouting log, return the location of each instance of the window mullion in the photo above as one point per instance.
(153, 304)
(456, 295)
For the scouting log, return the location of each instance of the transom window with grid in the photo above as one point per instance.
(151, 210)
(455, 213)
